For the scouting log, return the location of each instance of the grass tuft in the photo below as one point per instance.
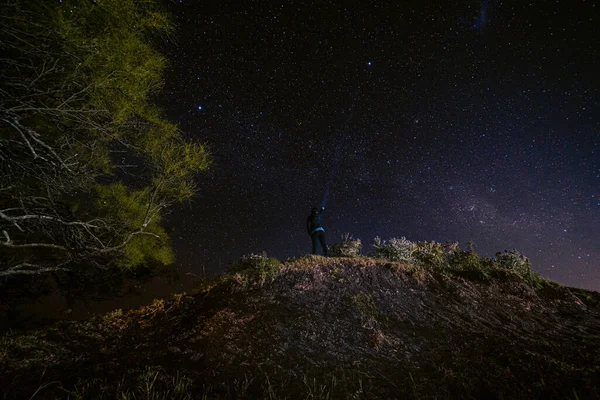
(350, 247)
(254, 269)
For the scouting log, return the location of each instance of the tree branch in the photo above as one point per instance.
(49, 218)
(38, 269)
(120, 246)
(8, 243)
(35, 155)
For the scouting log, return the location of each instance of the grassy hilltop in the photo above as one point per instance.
(435, 323)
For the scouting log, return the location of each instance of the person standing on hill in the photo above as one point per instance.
(315, 229)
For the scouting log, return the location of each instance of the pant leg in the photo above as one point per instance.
(313, 237)
(323, 244)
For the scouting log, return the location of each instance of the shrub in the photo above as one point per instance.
(433, 254)
(394, 249)
(349, 247)
(448, 257)
(469, 265)
(514, 261)
(256, 267)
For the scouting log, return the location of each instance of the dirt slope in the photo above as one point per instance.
(325, 328)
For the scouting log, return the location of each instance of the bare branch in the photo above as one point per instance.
(18, 129)
(34, 269)
(74, 95)
(120, 246)
(32, 245)
(13, 222)
(56, 136)
(49, 218)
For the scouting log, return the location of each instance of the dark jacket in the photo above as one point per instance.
(313, 223)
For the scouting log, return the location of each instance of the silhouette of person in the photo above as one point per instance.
(315, 229)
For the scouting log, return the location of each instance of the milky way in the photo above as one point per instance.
(420, 124)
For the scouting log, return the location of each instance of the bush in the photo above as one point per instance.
(468, 264)
(255, 267)
(349, 247)
(448, 257)
(514, 261)
(394, 249)
(433, 254)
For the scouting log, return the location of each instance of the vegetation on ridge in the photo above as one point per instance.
(339, 327)
(443, 257)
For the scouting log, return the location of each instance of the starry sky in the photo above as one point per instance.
(425, 119)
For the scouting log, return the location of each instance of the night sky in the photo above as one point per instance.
(439, 121)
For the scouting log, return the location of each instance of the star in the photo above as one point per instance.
(451, 138)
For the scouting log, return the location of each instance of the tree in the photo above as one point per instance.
(77, 80)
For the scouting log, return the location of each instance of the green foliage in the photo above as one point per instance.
(78, 82)
(394, 249)
(514, 261)
(349, 247)
(255, 268)
(146, 241)
(429, 253)
(146, 250)
(471, 246)
(117, 202)
(434, 255)
(470, 265)
(448, 257)
(109, 38)
(520, 265)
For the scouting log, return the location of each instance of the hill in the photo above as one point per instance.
(316, 328)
